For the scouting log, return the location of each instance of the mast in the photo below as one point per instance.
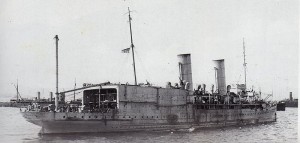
(74, 90)
(132, 46)
(56, 93)
(17, 91)
(245, 64)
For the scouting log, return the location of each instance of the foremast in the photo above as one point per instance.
(132, 46)
(56, 93)
(245, 64)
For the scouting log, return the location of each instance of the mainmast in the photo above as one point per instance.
(132, 46)
(245, 64)
(74, 89)
(17, 91)
(56, 93)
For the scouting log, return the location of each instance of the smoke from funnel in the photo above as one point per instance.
(220, 69)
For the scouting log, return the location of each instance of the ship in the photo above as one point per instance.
(291, 102)
(21, 102)
(18, 101)
(116, 107)
(281, 106)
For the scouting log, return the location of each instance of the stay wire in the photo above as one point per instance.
(142, 66)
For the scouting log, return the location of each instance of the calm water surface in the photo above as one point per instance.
(13, 128)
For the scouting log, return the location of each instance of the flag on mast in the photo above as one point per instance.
(126, 50)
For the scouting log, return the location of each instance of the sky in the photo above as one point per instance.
(93, 33)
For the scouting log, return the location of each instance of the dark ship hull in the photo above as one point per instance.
(281, 106)
(291, 103)
(117, 125)
(19, 104)
(24, 104)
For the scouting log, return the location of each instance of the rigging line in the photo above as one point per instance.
(142, 65)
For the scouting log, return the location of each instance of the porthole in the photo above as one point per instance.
(82, 117)
(89, 116)
(64, 116)
(96, 117)
(74, 116)
(134, 116)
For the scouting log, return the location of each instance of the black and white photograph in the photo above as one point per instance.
(149, 71)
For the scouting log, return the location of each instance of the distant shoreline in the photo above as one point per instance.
(5, 104)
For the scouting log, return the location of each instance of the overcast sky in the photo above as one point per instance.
(93, 33)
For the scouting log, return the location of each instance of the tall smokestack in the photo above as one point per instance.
(220, 67)
(204, 88)
(51, 96)
(185, 69)
(38, 96)
(291, 96)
